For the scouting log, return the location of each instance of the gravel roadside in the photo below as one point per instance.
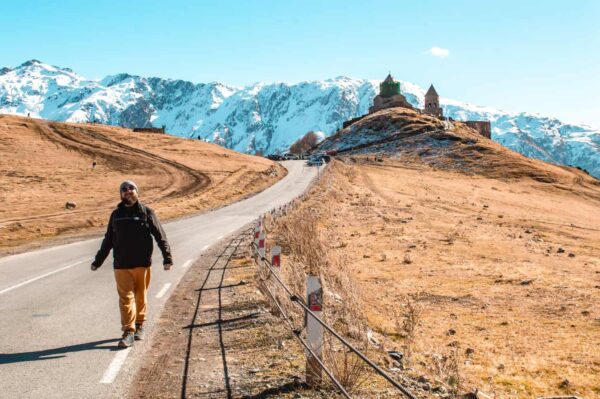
(216, 338)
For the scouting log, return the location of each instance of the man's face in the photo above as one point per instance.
(129, 194)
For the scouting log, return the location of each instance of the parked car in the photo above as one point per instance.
(314, 162)
(274, 157)
(321, 157)
(290, 156)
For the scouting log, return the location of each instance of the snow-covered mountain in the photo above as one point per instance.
(263, 117)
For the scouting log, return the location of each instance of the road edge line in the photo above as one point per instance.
(114, 367)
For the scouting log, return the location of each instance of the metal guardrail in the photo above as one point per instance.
(297, 333)
(300, 302)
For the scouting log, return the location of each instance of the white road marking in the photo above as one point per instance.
(113, 368)
(38, 252)
(31, 280)
(188, 263)
(204, 248)
(163, 290)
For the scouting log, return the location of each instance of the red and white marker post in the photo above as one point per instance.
(256, 235)
(276, 259)
(261, 245)
(314, 330)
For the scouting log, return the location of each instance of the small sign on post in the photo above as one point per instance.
(261, 245)
(314, 330)
(256, 234)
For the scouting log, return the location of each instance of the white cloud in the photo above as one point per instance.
(439, 52)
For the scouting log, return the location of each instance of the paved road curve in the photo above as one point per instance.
(59, 322)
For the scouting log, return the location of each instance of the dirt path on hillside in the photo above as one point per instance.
(216, 339)
(44, 165)
(182, 180)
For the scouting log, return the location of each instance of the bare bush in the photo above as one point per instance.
(298, 233)
(307, 250)
(412, 317)
(304, 143)
(447, 367)
(350, 370)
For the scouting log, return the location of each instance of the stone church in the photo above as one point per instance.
(389, 96)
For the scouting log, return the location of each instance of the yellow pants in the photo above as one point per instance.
(132, 285)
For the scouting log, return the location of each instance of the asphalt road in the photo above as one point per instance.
(60, 321)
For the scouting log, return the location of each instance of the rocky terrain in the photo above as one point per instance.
(406, 134)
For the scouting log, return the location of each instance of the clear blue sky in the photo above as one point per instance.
(526, 55)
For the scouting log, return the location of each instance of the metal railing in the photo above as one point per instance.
(300, 302)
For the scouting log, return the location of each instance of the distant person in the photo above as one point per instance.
(28, 114)
(129, 234)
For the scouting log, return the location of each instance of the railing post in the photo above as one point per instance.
(261, 245)
(276, 259)
(314, 330)
(256, 235)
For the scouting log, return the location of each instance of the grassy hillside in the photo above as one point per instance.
(45, 164)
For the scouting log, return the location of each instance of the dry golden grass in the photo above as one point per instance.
(503, 306)
(45, 164)
(305, 252)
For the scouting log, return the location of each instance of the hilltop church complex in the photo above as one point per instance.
(390, 96)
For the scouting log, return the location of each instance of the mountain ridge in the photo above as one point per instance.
(263, 117)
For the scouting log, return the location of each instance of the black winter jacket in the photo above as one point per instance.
(129, 235)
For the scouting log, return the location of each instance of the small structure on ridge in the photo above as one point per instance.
(389, 96)
(432, 103)
(150, 129)
(432, 107)
(483, 127)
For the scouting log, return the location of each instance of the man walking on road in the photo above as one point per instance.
(129, 234)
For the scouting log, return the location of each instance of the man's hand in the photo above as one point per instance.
(168, 266)
(94, 268)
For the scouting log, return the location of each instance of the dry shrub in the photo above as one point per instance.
(304, 143)
(344, 310)
(407, 323)
(350, 370)
(306, 251)
(447, 367)
(299, 234)
(265, 288)
(347, 170)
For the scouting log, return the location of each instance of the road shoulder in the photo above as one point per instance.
(249, 353)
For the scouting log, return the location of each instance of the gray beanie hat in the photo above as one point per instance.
(127, 183)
